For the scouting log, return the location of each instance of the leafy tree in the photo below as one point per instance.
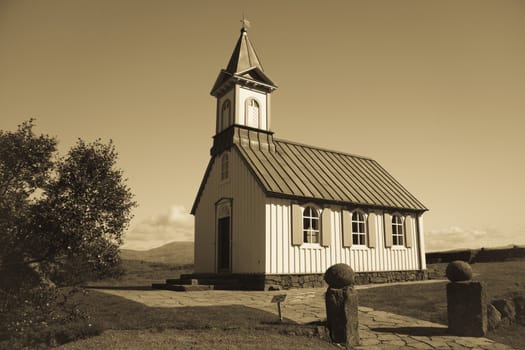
(60, 218)
(61, 222)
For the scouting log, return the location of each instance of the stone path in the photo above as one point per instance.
(377, 329)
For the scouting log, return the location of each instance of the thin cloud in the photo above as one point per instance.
(176, 224)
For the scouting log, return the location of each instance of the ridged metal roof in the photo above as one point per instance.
(296, 170)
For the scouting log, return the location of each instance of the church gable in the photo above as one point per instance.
(256, 74)
(224, 169)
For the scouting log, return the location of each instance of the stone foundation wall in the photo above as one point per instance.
(316, 280)
(259, 281)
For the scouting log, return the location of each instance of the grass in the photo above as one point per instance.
(501, 278)
(428, 301)
(143, 273)
(133, 325)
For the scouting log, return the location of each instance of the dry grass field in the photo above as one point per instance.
(143, 273)
(428, 301)
(142, 268)
(131, 325)
(175, 253)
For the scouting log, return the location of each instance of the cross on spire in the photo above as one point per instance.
(245, 23)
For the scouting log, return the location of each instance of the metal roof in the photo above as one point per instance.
(302, 171)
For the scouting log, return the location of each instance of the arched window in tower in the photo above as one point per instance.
(225, 115)
(252, 113)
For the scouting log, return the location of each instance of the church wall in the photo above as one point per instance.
(247, 225)
(248, 219)
(284, 258)
(205, 254)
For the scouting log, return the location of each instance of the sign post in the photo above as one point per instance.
(279, 298)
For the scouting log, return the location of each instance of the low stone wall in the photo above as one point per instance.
(316, 280)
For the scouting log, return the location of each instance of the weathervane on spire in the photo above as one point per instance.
(245, 23)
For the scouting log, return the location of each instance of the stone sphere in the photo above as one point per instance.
(339, 276)
(458, 271)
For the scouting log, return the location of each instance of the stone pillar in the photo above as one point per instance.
(466, 302)
(341, 305)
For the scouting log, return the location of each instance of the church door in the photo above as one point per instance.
(223, 246)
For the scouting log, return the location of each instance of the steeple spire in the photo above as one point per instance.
(244, 65)
(244, 56)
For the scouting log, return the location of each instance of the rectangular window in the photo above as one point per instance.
(398, 233)
(358, 228)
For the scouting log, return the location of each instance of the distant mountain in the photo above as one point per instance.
(180, 253)
(506, 253)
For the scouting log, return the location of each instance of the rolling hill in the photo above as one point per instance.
(178, 253)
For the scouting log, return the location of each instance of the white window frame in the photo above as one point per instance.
(398, 231)
(309, 232)
(360, 235)
(248, 105)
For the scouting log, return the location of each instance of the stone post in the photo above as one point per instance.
(466, 302)
(341, 305)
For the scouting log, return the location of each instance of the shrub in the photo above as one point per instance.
(41, 317)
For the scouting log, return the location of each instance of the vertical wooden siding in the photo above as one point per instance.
(283, 258)
(247, 218)
(247, 248)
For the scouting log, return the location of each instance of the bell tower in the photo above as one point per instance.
(243, 93)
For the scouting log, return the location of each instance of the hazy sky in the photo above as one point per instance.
(432, 90)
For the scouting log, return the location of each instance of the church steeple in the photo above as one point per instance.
(244, 56)
(243, 90)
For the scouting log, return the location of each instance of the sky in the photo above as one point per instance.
(432, 90)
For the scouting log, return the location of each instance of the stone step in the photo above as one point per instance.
(203, 281)
(158, 285)
(205, 276)
(200, 275)
(189, 287)
(182, 287)
(191, 281)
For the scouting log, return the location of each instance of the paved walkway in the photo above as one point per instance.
(377, 329)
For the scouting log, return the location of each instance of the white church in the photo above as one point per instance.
(276, 214)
